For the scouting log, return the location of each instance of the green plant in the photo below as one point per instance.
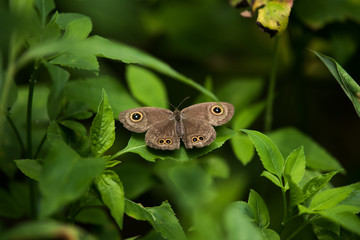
(70, 171)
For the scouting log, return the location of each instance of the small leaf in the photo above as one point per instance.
(102, 130)
(162, 218)
(259, 209)
(44, 7)
(317, 183)
(272, 178)
(329, 198)
(296, 194)
(270, 234)
(29, 167)
(65, 177)
(146, 87)
(239, 226)
(241, 144)
(295, 165)
(112, 194)
(270, 155)
(347, 83)
(273, 17)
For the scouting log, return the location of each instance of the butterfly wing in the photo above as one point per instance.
(163, 136)
(212, 113)
(197, 133)
(141, 119)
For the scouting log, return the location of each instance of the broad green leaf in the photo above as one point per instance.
(112, 194)
(270, 155)
(317, 183)
(146, 87)
(79, 28)
(288, 139)
(270, 234)
(89, 91)
(44, 7)
(325, 229)
(162, 218)
(347, 83)
(296, 194)
(237, 225)
(137, 145)
(47, 229)
(59, 77)
(344, 217)
(64, 19)
(304, 210)
(295, 165)
(79, 59)
(118, 51)
(273, 17)
(75, 126)
(102, 130)
(29, 167)
(241, 144)
(329, 198)
(353, 199)
(65, 177)
(245, 208)
(259, 208)
(272, 178)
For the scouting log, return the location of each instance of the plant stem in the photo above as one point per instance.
(29, 110)
(271, 89)
(17, 134)
(285, 208)
(294, 233)
(40, 146)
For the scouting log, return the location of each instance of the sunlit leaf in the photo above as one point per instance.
(29, 167)
(259, 208)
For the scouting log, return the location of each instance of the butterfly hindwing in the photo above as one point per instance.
(163, 136)
(197, 133)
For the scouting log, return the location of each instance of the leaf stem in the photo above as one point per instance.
(40, 146)
(271, 89)
(285, 208)
(32, 82)
(125, 150)
(17, 134)
(299, 229)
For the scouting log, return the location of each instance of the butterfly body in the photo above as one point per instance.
(164, 128)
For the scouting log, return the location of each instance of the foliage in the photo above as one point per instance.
(70, 170)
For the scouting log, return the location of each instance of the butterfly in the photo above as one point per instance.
(165, 128)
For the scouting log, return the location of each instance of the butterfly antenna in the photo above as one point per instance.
(182, 102)
(169, 103)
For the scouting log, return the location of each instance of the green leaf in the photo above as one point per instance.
(118, 51)
(295, 165)
(102, 130)
(238, 225)
(259, 209)
(273, 17)
(44, 7)
(317, 183)
(88, 91)
(112, 194)
(29, 167)
(296, 194)
(47, 229)
(347, 83)
(270, 155)
(288, 139)
(162, 218)
(59, 77)
(146, 87)
(65, 177)
(325, 229)
(344, 217)
(241, 144)
(137, 145)
(79, 59)
(270, 234)
(329, 198)
(78, 28)
(272, 178)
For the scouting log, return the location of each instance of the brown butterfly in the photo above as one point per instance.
(194, 124)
